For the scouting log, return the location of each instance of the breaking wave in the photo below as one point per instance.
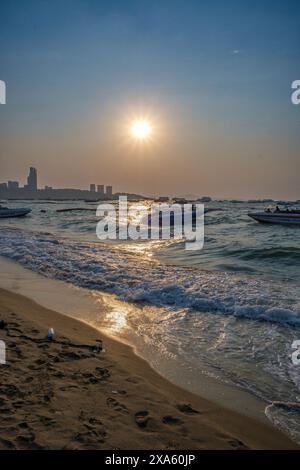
(136, 278)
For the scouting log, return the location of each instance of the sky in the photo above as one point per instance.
(213, 78)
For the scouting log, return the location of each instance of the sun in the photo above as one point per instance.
(141, 129)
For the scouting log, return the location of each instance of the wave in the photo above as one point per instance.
(285, 416)
(287, 252)
(273, 253)
(137, 278)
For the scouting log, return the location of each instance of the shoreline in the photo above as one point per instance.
(63, 397)
(108, 315)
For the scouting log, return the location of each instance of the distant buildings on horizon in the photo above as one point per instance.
(12, 190)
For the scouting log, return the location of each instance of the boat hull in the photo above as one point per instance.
(8, 213)
(280, 218)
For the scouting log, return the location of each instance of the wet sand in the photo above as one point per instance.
(63, 395)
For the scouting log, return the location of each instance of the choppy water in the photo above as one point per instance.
(231, 310)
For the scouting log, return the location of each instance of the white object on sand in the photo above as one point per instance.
(97, 347)
(51, 333)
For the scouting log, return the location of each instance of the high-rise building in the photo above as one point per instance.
(100, 189)
(3, 187)
(93, 188)
(12, 185)
(108, 191)
(32, 179)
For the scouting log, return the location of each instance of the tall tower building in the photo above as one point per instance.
(93, 188)
(32, 179)
(100, 189)
(108, 191)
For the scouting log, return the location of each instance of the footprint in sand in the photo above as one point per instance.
(112, 403)
(11, 391)
(28, 379)
(132, 380)
(40, 362)
(34, 331)
(23, 425)
(237, 444)
(71, 355)
(102, 373)
(171, 420)
(142, 418)
(46, 420)
(95, 421)
(187, 409)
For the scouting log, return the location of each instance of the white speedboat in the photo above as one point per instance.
(277, 216)
(13, 212)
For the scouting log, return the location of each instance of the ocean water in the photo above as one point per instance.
(231, 310)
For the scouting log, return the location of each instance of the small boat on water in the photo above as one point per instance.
(6, 212)
(288, 216)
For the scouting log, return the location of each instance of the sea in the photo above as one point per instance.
(229, 311)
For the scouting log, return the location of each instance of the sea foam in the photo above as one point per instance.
(135, 277)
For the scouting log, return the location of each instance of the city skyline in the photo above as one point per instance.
(12, 189)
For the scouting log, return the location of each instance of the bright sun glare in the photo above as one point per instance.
(141, 129)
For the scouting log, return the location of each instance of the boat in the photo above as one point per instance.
(6, 212)
(287, 216)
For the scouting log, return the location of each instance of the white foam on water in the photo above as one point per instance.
(134, 277)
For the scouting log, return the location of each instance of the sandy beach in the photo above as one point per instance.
(62, 395)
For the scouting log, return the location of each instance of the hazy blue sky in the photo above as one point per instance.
(214, 78)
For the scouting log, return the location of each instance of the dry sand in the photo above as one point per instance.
(62, 395)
